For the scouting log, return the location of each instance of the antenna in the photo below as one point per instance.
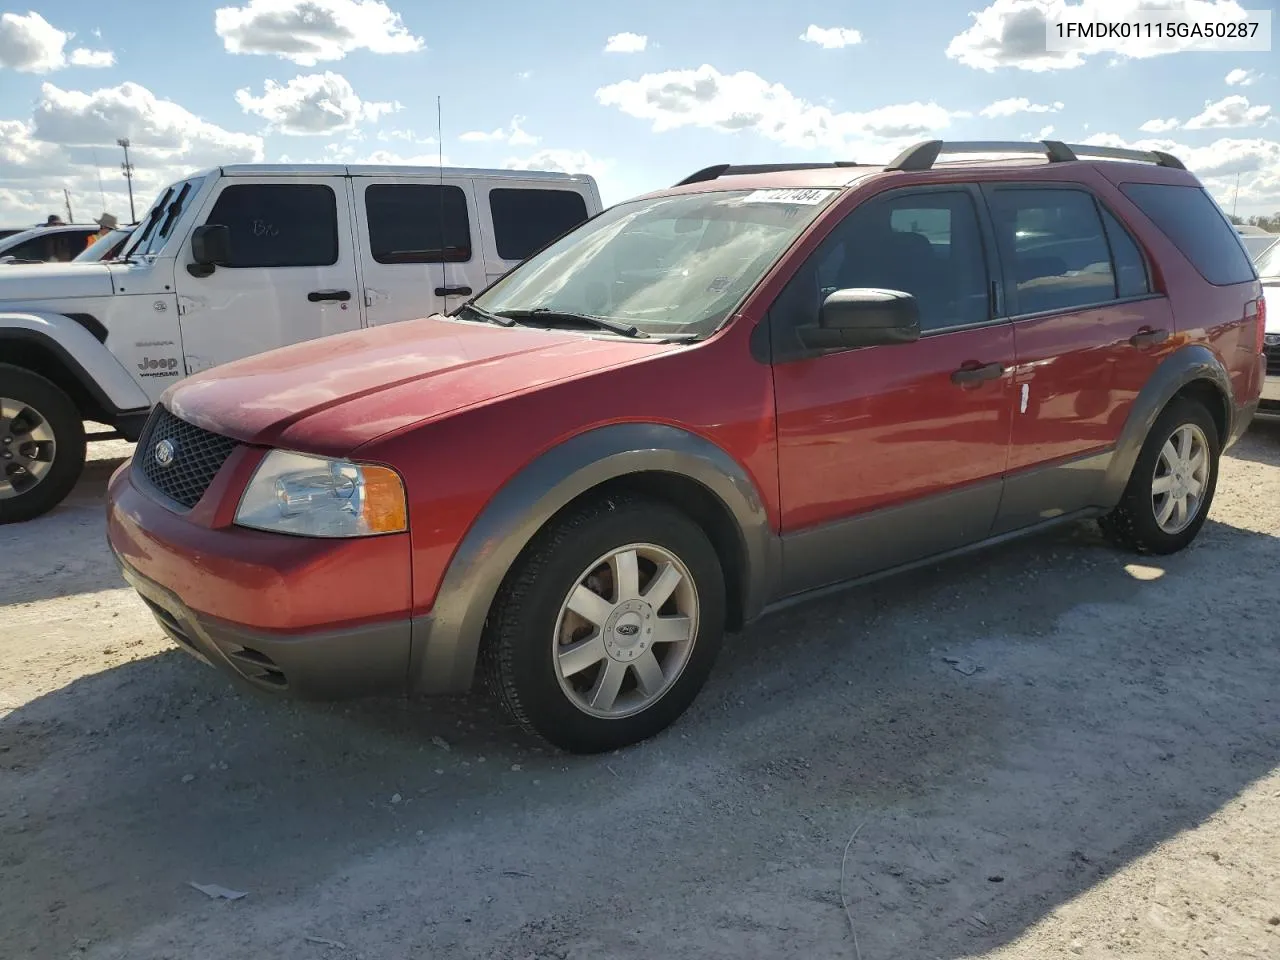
(444, 266)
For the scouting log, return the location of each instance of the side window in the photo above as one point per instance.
(1188, 216)
(418, 223)
(926, 244)
(1131, 267)
(37, 248)
(1054, 248)
(524, 220)
(279, 224)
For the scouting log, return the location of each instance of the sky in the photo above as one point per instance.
(637, 95)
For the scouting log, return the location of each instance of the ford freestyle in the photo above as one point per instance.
(696, 406)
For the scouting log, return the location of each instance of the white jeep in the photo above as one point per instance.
(237, 260)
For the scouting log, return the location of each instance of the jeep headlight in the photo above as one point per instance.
(319, 497)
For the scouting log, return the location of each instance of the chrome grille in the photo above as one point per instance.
(178, 458)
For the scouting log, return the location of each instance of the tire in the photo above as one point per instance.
(47, 424)
(527, 629)
(1135, 523)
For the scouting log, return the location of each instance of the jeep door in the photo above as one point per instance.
(892, 453)
(1089, 331)
(291, 276)
(420, 252)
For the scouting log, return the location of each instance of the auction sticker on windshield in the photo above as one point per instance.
(807, 196)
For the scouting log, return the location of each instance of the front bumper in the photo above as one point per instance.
(315, 619)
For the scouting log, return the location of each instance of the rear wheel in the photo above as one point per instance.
(42, 444)
(608, 626)
(1171, 489)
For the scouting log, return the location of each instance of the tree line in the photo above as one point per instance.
(1270, 224)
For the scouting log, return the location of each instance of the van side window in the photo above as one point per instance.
(279, 224)
(1131, 267)
(524, 221)
(1054, 249)
(417, 223)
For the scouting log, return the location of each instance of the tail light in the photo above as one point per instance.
(1256, 310)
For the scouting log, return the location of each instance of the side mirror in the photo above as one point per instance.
(864, 317)
(210, 247)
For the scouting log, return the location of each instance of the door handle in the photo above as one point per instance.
(972, 375)
(1146, 337)
(316, 296)
(453, 291)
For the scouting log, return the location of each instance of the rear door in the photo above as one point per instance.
(1089, 333)
(292, 275)
(419, 246)
(520, 217)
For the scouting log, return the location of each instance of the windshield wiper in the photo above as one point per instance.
(488, 317)
(549, 316)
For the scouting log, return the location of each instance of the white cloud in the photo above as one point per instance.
(524, 75)
(314, 104)
(407, 136)
(1256, 161)
(309, 31)
(514, 135)
(626, 43)
(1161, 126)
(1012, 33)
(72, 135)
(562, 161)
(712, 100)
(1240, 77)
(1045, 133)
(30, 44)
(831, 38)
(1233, 111)
(1013, 105)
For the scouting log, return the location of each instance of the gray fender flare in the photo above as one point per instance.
(446, 642)
(1185, 365)
(89, 361)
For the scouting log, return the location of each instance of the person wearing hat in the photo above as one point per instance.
(106, 223)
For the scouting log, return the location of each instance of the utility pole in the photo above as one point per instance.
(127, 167)
(1236, 196)
(71, 217)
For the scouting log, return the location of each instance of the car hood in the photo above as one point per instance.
(405, 373)
(54, 281)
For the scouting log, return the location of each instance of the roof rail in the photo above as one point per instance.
(924, 155)
(719, 170)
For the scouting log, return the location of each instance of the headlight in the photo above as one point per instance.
(318, 497)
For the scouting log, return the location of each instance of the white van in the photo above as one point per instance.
(241, 259)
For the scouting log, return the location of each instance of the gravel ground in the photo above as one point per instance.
(1096, 774)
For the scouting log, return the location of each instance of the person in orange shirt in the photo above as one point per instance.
(106, 223)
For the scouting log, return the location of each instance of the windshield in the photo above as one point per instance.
(668, 266)
(1269, 263)
(154, 228)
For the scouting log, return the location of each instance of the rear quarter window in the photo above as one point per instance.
(1188, 216)
(524, 221)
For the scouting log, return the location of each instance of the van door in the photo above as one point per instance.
(292, 274)
(419, 253)
(519, 217)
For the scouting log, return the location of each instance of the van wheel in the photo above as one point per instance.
(607, 626)
(1172, 485)
(42, 445)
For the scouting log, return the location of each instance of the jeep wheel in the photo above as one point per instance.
(607, 627)
(1172, 485)
(42, 445)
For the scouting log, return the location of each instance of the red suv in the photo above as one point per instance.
(701, 404)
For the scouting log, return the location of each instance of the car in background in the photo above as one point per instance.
(59, 244)
(1256, 240)
(1268, 267)
(106, 247)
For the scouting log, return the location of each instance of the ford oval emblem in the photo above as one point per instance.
(164, 453)
(628, 629)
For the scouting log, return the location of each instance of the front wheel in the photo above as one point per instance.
(1172, 485)
(607, 627)
(42, 444)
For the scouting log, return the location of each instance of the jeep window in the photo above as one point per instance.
(279, 224)
(1054, 248)
(1132, 279)
(925, 244)
(417, 223)
(676, 265)
(1197, 226)
(526, 220)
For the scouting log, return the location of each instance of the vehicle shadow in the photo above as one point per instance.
(1044, 714)
(1261, 444)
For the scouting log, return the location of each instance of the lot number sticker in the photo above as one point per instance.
(809, 197)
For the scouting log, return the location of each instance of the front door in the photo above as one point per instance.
(1089, 334)
(893, 453)
(420, 254)
(292, 274)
